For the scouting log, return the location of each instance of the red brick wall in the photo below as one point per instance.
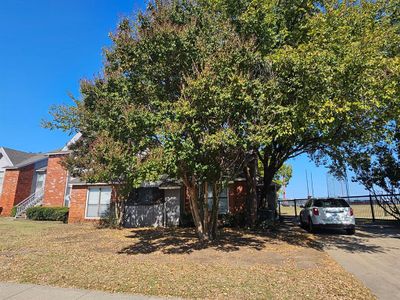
(77, 204)
(56, 180)
(17, 186)
(237, 197)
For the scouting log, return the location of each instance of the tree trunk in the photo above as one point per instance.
(251, 199)
(192, 189)
(118, 206)
(214, 212)
(206, 218)
(269, 188)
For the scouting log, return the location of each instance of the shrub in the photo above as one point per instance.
(13, 211)
(186, 220)
(41, 213)
(233, 220)
(108, 220)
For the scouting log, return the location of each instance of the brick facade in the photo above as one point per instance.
(236, 197)
(17, 186)
(56, 181)
(77, 204)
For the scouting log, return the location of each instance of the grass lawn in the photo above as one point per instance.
(285, 264)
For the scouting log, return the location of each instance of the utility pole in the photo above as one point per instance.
(312, 186)
(327, 185)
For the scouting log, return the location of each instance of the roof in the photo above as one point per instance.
(72, 141)
(31, 160)
(20, 159)
(17, 156)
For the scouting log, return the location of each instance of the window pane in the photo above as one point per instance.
(223, 205)
(94, 194)
(331, 203)
(105, 196)
(39, 181)
(104, 209)
(224, 193)
(92, 211)
(223, 200)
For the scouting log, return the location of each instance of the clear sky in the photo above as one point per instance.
(47, 46)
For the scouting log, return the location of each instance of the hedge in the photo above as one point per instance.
(41, 213)
(13, 211)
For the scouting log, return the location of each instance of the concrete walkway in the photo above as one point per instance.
(17, 291)
(372, 255)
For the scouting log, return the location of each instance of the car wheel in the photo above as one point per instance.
(351, 231)
(311, 228)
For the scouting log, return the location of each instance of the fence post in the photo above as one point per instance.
(295, 208)
(372, 208)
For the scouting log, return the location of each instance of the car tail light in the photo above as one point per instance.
(315, 211)
(351, 212)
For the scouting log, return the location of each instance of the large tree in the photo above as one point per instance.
(328, 74)
(172, 88)
(201, 90)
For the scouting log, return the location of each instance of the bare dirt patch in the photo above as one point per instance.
(283, 264)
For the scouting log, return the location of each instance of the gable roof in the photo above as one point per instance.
(16, 156)
(20, 159)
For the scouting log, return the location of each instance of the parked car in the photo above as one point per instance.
(333, 213)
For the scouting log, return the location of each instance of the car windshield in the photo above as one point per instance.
(330, 203)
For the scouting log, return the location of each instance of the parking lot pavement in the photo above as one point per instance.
(16, 291)
(372, 255)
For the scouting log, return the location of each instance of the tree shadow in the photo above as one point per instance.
(184, 240)
(364, 241)
(332, 239)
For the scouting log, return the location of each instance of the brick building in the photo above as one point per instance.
(28, 179)
(21, 175)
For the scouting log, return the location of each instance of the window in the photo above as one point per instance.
(1, 181)
(67, 196)
(40, 179)
(145, 196)
(98, 202)
(223, 200)
(330, 203)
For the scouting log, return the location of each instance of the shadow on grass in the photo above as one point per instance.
(184, 240)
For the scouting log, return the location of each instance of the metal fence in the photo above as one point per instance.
(364, 207)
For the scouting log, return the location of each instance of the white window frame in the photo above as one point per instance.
(226, 188)
(87, 200)
(2, 182)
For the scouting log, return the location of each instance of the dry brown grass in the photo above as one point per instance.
(285, 264)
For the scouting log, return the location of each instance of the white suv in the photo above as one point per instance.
(333, 213)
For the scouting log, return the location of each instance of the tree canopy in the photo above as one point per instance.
(195, 89)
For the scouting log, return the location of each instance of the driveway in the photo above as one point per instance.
(372, 255)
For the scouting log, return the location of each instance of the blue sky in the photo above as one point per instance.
(47, 46)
